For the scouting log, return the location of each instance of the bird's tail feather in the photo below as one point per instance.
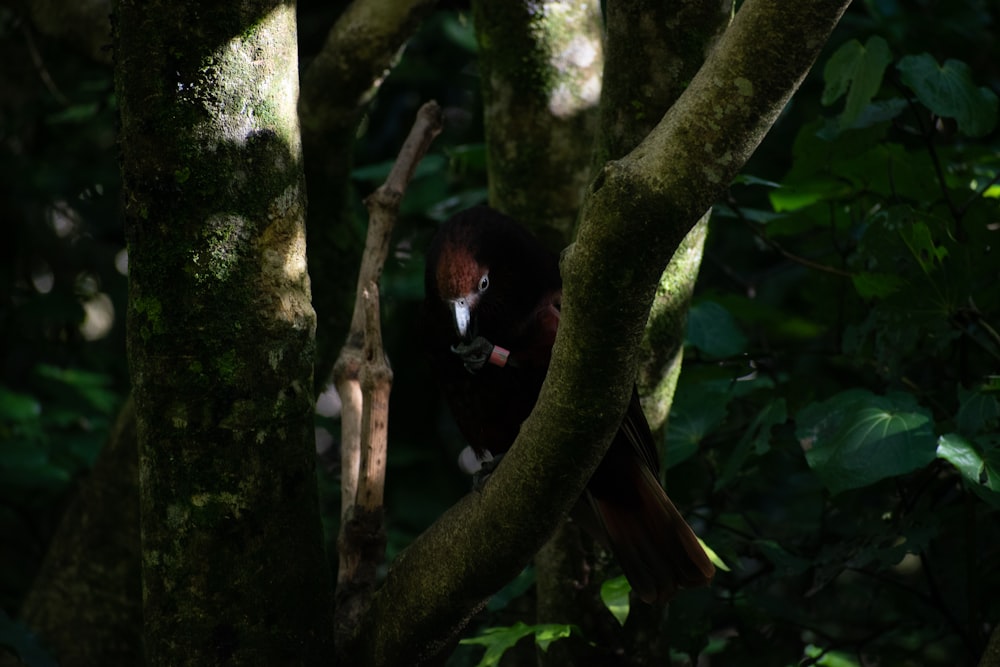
(652, 542)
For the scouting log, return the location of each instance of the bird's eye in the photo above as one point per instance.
(484, 282)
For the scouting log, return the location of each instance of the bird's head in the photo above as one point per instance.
(487, 275)
(462, 282)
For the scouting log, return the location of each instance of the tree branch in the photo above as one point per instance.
(364, 379)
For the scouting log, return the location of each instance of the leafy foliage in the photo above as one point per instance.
(498, 640)
(854, 491)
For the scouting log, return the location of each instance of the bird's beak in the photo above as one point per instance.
(460, 316)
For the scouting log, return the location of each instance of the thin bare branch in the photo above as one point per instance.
(364, 380)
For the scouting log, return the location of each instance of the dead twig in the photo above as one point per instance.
(363, 379)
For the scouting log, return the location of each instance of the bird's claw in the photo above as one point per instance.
(485, 470)
(474, 353)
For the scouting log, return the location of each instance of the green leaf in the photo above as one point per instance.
(825, 658)
(712, 556)
(550, 632)
(17, 407)
(977, 412)
(959, 452)
(711, 329)
(981, 474)
(614, 595)
(856, 70)
(498, 640)
(696, 411)
(856, 438)
(949, 91)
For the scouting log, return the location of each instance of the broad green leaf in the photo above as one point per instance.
(711, 329)
(497, 641)
(614, 595)
(977, 412)
(959, 452)
(948, 90)
(981, 477)
(856, 438)
(856, 70)
(696, 411)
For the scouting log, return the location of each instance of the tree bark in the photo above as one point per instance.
(654, 51)
(220, 334)
(540, 66)
(639, 210)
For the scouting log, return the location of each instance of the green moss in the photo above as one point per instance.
(150, 310)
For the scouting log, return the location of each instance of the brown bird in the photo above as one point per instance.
(492, 310)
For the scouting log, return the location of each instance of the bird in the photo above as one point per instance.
(492, 307)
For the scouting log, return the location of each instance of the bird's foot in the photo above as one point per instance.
(475, 353)
(485, 470)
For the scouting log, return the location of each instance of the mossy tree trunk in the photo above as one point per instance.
(220, 334)
(540, 65)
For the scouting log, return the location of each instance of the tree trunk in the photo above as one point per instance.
(540, 66)
(220, 334)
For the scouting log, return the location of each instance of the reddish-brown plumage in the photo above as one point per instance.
(490, 283)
